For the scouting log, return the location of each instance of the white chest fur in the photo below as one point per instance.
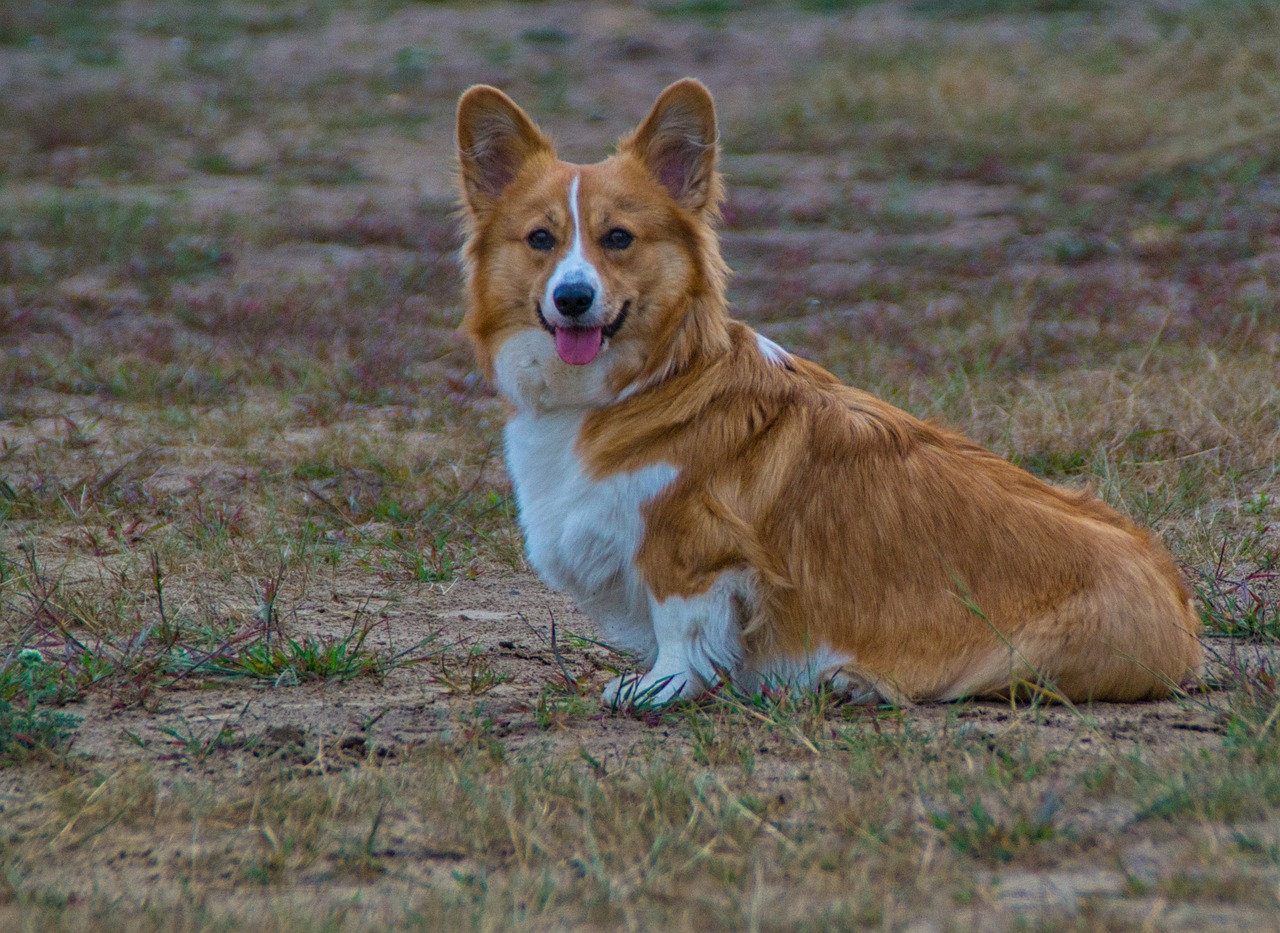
(581, 534)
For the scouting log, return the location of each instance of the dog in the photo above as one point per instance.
(729, 511)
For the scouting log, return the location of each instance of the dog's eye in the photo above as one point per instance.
(541, 240)
(617, 238)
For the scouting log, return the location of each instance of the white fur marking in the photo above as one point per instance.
(772, 352)
(576, 251)
(531, 376)
(820, 668)
(697, 639)
(582, 535)
(573, 268)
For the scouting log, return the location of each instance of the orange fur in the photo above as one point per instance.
(936, 568)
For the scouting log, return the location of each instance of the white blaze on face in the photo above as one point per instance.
(573, 269)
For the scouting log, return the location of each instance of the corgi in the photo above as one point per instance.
(729, 511)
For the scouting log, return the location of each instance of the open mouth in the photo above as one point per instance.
(578, 346)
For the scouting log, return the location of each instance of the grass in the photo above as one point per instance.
(1036, 102)
(964, 9)
(270, 656)
(84, 28)
(130, 646)
(126, 242)
(28, 729)
(1244, 603)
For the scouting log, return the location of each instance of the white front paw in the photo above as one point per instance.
(648, 691)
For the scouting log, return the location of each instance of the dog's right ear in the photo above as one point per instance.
(495, 139)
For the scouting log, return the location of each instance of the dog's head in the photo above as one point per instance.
(588, 281)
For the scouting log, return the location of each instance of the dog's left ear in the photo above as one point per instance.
(677, 142)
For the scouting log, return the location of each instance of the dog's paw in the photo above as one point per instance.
(648, 691)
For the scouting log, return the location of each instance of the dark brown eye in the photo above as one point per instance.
(617, 238)
(541, 240)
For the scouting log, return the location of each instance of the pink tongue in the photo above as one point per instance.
(578, 346)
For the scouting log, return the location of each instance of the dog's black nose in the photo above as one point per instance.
(573, 298)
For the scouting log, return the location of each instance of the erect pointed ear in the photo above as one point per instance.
(495, 139)
(677, 142)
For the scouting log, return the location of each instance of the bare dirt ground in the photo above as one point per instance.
(506, 617)
(237, 430)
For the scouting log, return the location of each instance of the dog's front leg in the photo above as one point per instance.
(698, 639)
